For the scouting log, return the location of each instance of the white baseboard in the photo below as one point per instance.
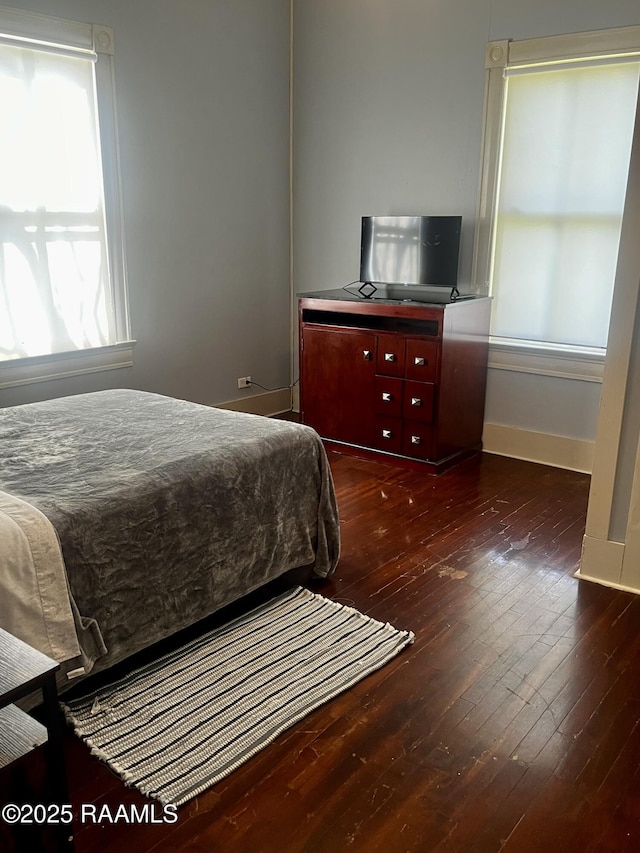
(601, 562)
(269, 403)
(556, 450)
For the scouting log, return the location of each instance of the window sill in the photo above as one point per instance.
(583, 363)
(25, 371)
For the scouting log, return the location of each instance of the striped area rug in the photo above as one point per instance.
(177, 726)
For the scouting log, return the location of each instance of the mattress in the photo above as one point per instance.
(166, 510)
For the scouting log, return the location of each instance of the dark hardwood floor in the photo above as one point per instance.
(511, 723)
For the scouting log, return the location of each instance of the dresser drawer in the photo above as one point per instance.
(418, 401)
(390, 355)
(416, 439)
(422, 360)
(388, 434)
(388, 391)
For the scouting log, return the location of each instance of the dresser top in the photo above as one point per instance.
(386, 295)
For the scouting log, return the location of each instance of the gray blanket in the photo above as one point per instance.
(167, 510)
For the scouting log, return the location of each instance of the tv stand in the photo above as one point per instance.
(394, 380)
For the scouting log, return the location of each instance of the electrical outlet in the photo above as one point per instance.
(244, 382)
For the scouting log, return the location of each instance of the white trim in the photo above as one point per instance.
(556, 65)
(631, 561)
(617, 415)
(270, 403)
(496, 54)
(45, 47)
(26, 371)
(614, 509)
(601, 562)
(102, 39)
(609, 584)
(57, 35)
(500, 57)
(560, 362)
(618, 41)
(558, 451)
(112, 184)
(91, 42)
(43, 28)
(489, 167)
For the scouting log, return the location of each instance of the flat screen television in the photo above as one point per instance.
(410, 251)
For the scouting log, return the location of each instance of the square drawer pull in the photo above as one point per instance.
(366, 354)
(416, 401)
(390, 356)
(387, 396)
(415, 439)
(386, 433)
(419, 360)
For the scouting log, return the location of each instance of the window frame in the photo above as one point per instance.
(547, 359)
(96, 42)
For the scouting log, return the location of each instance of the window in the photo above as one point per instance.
(63, 302)
(559, 125)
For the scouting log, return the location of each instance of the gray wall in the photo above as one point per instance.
(388, 119)
(203, 109)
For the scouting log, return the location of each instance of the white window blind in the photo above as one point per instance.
(564, 163)
(560, 114)
(62, 286)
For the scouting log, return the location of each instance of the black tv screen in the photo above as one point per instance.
(410, 250)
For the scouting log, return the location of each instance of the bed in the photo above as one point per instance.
(126, 516)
